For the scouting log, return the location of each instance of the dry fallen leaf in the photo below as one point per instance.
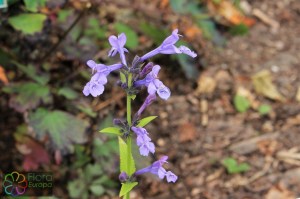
(3, 77)
(205, 85)
(298, 95)
(229, 12)
(279, 192)
(187, 132)
(262, 82)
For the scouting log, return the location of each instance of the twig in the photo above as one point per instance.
(53, 48)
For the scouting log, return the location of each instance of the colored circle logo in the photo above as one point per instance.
(15, 184)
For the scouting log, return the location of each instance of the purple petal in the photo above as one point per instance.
(151, 88)
(170, 49)
(100, 78)
(161, 173)
(122, 40)
(86, 89)
(172, 39)
(113, 40)
(187, 51)
(92, 64)
(112, 52)
(171, 177)
(155, 70)
(163, 159)
(144, 151)
(151, 147)
(96, 89)
(140, 82)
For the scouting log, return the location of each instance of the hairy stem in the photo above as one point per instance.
(128, 105)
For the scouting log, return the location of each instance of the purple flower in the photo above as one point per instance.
(156, 168)
(118, 44)
(143, 141)
(154, 84)
(95, 86)
(146, 103)
(168, 47)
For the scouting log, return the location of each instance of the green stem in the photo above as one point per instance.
(128, 105)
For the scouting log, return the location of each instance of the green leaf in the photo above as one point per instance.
(77, 189)
(233, 167)
(240, 29)
(87, 110)
(264, 109)
(122, 77)
(94, 29)
(64, 14)
(129, 169)
(33, 5)
(97, 189)
(67, 93)
(143, 122)
(92, 170)
(31, 72)
(27, 23)
(63, 128)
(133, 39)
(241, 103)
(28, 95)
(133, 97)
(126, 187)
(112, 130)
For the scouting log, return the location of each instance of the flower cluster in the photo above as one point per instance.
(135, 77)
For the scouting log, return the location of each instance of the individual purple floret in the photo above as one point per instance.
(95, 86)
(146, 69)
(143, 141)
(154, 84)
(147, 102)
(168, 47)
(123, 177)
(118, 44)
(157, 169)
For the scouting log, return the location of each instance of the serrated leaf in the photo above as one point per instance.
(241, 103)
(264, 109)
(27, 23)
(63, 128)
(233, 167)
(240, 29)
(112, 130)
(143, 122)
(67, 93)
(33, 5)
(126, 187)
(126, 165)
(97, 189)
(28, 95)
(132, 37)
(122, 77)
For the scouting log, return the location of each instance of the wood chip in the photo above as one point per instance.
(265, 18)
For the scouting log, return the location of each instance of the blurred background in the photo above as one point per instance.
(230, 128)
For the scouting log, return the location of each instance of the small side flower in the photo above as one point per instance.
(118, 44)
(168, 47)
(156, 168)
(154, 84)
(143, 141)
(95, 86)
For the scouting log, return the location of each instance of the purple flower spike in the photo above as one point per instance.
(95, 86)
(157, 169)
(118, 44)
(143, 141)
(168, 47)
(154, 84)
